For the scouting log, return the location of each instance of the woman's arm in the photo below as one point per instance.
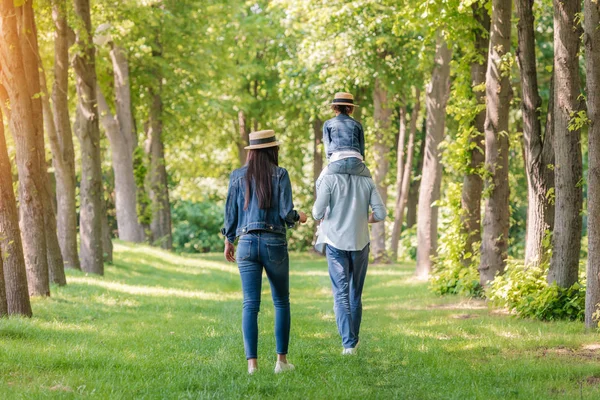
(231, 212)
(286, 205)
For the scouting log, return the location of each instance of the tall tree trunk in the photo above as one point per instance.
(123, 141)
(12, 261)
(403, 185)
(31, 177)
(473, 181)
(3, 304)
(317, 126)
(63, 153)
(415, 184)
(31, 62)
(494, 242)
(438, 91)
(107, 245)
(382, 115)
(157, 176)
(538, 150)
(564, 265)
(90, 221)
(243, 138)
(592, 56)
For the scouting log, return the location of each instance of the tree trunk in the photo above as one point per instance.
(122, 145)
(564, 265)
(157, 176)
(12, 261)
(31, 177)
(473, 181)
(3, 304)
(494, 243)
(382, 115)
(90, 222)
(107, 245)
(438, 91)
(538, 150)
(243, 139)
(63, 153)
(317, 126)
(415, 184)
(592, 56)
(403, 184)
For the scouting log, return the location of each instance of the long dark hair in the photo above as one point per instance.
(347, 110)
(261, 163)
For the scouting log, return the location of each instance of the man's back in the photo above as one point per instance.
(343, 203)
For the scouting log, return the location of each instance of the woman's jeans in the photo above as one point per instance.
(347, 270)
(257, 250)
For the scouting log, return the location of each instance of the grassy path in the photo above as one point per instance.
(164, 326)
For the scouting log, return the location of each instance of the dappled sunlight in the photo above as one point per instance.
(155, 291)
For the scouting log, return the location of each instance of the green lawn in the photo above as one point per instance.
(165, 326)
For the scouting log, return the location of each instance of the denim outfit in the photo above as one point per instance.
(262, 244)
(343, 202)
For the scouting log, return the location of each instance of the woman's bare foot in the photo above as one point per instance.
(252, 365)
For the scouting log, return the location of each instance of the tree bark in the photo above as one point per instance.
(12, 262)
(382, 115)
(494, 243)
(317, 126)
(63, 153)
(564, 264)
(157, 176)
(243, 139)
(538, 150)
(415, 184)
(107, 245)
(403, 184)
(437, 95)
(84, 64)
(3, 304)
(119, 130)
(31, 177)
(473, 181)
(592, 56)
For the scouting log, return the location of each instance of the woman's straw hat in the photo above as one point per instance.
(262, 140)
(343, 99)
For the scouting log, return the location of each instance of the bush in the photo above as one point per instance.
(525, 291)
(197, 227)
(456, 279)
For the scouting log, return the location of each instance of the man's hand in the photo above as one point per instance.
(229, 251)
(303, 217)
(372, 219)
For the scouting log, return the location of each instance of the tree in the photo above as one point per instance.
(564, 264)
(592, 56)
(123, 141)
(494, 242)
(88, 133)
(21, 120)
(436, 99)
(473, 181)
(404, 170)
(60, 135)
(13, 288)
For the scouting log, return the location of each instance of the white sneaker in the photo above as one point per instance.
(349, 352)
(282, 367)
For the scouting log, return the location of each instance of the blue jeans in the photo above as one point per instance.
(347, 270)
(257, 250)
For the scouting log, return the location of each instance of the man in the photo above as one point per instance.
(343, 201)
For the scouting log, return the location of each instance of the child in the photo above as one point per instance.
(344, 140)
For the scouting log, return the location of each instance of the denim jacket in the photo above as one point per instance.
(343, 133)
(275, 219)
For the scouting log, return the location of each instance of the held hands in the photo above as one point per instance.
(303, 217)
(229, 251)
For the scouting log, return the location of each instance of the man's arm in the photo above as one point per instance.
(379, 210)
(322, 201)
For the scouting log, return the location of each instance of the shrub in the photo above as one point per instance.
(197, 226)
(525, 291)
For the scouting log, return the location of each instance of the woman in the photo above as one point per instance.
(259, 208)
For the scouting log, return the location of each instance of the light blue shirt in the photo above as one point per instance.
(342, 204)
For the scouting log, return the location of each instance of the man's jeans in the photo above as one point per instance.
(347, 270)
(256, 250)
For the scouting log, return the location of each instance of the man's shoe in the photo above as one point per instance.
(283, 367)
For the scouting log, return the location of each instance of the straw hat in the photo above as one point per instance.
(262, 140)
(343, 99)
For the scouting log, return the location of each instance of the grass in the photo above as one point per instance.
(160, 325)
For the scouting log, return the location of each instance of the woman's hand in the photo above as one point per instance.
(229, 251)
(303, 217)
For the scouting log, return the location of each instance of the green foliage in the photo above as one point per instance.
(196, 227)
(525, 291)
